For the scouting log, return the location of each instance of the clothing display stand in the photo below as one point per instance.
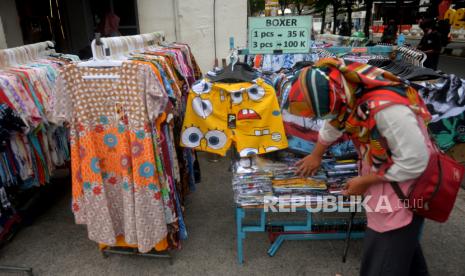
(27, 270)
(114, 48)
(309, 225)
(254, 219)
(12, 57)
(411, 55)
(120, 45)
(133, 251)
(310, 229)
(372, 50)
(25, 54)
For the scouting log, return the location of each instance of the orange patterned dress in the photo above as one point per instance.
(116, 185)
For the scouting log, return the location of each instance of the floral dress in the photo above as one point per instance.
(116, 187)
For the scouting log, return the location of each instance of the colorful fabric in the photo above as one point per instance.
(9, 121)
(247, 114)
(117, 189)
(448, 132)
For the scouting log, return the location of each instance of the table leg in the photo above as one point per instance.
(240, 235)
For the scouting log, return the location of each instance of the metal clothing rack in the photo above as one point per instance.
(411, 55)
(104, 48)
(121, 45)
(134, 252)
(13, 57)
(6, 268)
(25, 54)
(372, 50)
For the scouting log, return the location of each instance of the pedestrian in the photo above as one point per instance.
(390, 33)
(390, 133)
(345, 29)
(430, 44)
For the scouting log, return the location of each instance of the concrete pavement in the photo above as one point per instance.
(54, 245)
(452, 65)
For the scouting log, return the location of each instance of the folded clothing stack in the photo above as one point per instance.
(250, 183)
(338, 172)
(275, 175)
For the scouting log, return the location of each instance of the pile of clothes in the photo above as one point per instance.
(274, 175)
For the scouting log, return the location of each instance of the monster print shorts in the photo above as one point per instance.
(246, 114)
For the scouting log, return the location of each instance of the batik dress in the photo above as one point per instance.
(116, 189)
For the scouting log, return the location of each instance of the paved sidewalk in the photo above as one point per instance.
(54, 245)
(452, 65)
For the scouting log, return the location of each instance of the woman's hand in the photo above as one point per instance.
(360, 184)
(308, 166)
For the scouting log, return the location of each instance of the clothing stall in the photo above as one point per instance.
(124, 109)
(267, 132)
(33, 147)
(113, 122)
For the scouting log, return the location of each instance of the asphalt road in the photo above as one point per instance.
(452, 65)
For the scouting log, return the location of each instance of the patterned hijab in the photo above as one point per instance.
(346, 92)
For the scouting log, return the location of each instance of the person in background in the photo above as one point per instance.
(345, 29)
(386, 119)
(444, 30)
(430, 44)
(390, 33)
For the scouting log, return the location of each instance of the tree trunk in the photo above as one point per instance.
(300, 8)
(349, 14)
(323, 20)
(335, 11)
(283, 7)
(368, 10)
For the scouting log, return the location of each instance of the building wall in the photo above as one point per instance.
(2, 36)
(10, 21)
(195, 25)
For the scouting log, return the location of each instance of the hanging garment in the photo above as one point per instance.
(31, 146)
(116, 187)
(445, 97)
(448, 131)
(9, 121)
(247, 114)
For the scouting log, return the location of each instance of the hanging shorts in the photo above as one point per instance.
(247, 113)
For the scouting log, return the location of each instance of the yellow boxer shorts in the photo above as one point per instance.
(247, 113)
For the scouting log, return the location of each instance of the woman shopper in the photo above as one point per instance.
(431, 44)
(386, 120)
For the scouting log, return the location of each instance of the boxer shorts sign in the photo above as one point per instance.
(286, 34)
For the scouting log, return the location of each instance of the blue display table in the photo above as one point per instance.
(306, 229)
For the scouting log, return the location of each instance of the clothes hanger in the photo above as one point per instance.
(235, 71)
(301, 64)
(96, 61)
(118, 48)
